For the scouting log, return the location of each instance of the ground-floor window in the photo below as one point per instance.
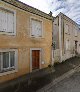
(7, 60)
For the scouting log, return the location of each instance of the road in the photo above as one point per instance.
(71, 84)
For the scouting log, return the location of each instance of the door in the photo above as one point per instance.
(35, 59)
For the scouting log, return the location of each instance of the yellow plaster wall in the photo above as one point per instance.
(23, 42)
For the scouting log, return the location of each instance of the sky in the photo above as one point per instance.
(71, 8)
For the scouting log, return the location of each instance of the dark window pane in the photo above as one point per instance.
(5, 59)
(12, 58)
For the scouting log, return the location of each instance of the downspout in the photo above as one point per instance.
(52, 61)
(52, 50)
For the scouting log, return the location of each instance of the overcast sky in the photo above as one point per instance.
(71, 8)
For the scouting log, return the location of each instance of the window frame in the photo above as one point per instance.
(67, 45)
(13, 11)
(37, 19)
(9, 69)
(75, 32)
(67, 31)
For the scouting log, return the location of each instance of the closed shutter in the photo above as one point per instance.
(0, 61)
(4, 21)
(33, 27)
(39, 29)
(75, 32)
(66, 44)
(10, 22)
(66, 28)
(0, 20)
(36, 28)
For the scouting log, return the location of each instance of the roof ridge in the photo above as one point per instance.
(28, 8)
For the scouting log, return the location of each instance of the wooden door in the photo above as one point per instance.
(35, 59)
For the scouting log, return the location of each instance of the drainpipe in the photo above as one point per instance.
(60, 41)
(52, 61)
(52, 50)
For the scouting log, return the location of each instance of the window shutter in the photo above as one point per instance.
(33, 25)
(0, 61)
(0, 20)
(66, 44)
(10, 23)
(75, 32)
(66, 28)
(4, 21)
(39, 29)
(36, 28)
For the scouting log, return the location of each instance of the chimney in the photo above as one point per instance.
(50, 13)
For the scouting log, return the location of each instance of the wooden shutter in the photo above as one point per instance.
(75, 31)
(10, 23)
(36, 28)
(33, 27)
(4, 21)
(66, 44)
(66, 28)
(0, 20)
(0, 61)
(39, 28)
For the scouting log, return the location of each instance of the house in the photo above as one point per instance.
(66, 38)
(25, 39)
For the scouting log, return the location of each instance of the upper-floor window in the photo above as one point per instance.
(36, 28)
(75, 32)
(67, 29)
(7, 21)
(67, 45)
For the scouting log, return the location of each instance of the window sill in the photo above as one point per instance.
(10, 71)
(38, 37)
(6, 70)
(67, 33)
(76, 36)
(5, 33)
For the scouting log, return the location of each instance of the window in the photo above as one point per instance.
(75, 32)
(7, 61)
(36, 28)
(67, 45)
(7, 21)
(67, 29)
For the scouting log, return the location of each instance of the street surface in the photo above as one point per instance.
(71, 84)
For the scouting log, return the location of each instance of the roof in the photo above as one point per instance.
(61, 14)
(28, 8)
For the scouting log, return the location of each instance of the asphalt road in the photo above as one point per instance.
(71, 84)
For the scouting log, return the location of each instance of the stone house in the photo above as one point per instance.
(66, 38)
(25, 39)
